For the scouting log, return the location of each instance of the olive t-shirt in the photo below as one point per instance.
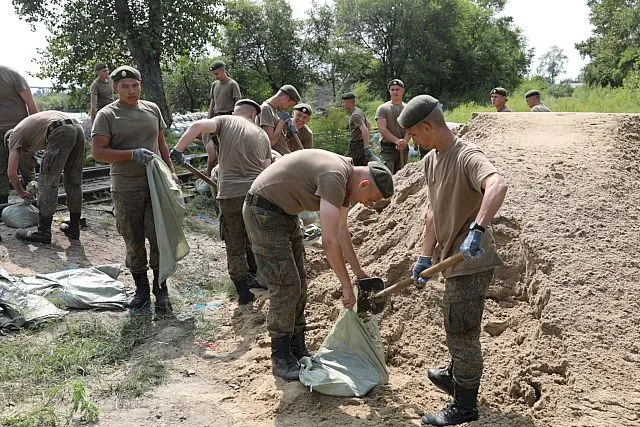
(505, 109)
(454, 178)
(103, 91)
(129, 128)
(225, 95)
(298, 181)
(390, 113)
(540, 108)
(306, 139)
(31, 132)
(12, 106)
(356, 119)
(244, 149)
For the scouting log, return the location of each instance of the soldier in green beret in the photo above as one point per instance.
(302, 138)
(394, 149)
(533, 101)
(499, 100)
(359, 130)
(276, 122)
(465, 192)
(101, 89)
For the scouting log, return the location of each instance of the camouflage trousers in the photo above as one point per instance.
(392, 158)
(26, 167)
(356, 152)
(134, 221)
(463, 304)
(276, 241)
(64, 152)
(240, 259)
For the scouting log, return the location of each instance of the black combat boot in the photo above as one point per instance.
(244, 295)
(71, 229)
(141, 302)
(41, 235)
(283, 363)
(161, 292)
(298, 346)
(442, 378)
(462, 410)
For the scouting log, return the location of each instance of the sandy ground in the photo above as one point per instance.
(560, 331)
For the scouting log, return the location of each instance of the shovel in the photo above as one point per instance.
(372, 296)
(200, 175)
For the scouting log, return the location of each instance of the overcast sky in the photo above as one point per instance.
(545, 23)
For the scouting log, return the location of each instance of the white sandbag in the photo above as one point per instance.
(21, 215)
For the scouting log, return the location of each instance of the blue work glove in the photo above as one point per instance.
(284, 116)
(291, 127)
(142, 155)
(470, 248)
(367, 153)
(421, 264)
(177, 157)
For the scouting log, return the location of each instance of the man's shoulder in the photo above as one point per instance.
(383, 108)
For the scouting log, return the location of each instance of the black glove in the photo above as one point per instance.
(177, 157)
(142, 156)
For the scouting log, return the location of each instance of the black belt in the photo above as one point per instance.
(255, 200)
(223, 113)
(55, 125)
(388, 144)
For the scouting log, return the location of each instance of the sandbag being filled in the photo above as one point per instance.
(21, 215)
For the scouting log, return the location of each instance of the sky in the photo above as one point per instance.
(544, 23)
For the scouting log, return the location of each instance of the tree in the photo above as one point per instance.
(552, 64)
(187, 84)
(144, 32)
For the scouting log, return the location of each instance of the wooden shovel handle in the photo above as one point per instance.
(429, 272)
(200, 175)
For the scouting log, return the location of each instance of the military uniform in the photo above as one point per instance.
(103, 91)
(505, 109)
(393, 159)
(269, 117)
(356, 142)
(540, 108)
(224, 94)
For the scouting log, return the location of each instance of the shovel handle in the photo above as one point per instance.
(434, 269)
(199, 174)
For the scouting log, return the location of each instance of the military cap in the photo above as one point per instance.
(291, 91)
(305, 108)
(216, 65)
(416, 110)
(382, 177)
(125, 72)
(100, 65)
(395, 82)
(349, 95)
(250, 102)
(531, 93)
(499, 90)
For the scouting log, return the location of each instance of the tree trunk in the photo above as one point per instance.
(152, 84)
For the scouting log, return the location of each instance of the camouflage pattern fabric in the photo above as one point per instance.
(235, 237)
(26, 168)
(393, 159)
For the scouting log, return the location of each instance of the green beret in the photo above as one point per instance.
(499, 90)
(349, 95)
(251, 102)
(291, 92)
(305, 108)
(125, 72)
(395, 82)
(216, 65)
(416, 110)
(100, 65)
(532, 93)
(382, 177)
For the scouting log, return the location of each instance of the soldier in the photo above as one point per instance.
(359, 129)
(126, 134)
(16, 103)
(499, 99)
(244, 152)
(274, 124)
(465, 192)
(394, 149)
(301, 116)
(533, 101)
(62, 140)
(312, 180)
(101, 90)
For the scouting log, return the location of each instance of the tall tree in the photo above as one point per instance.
(144, 32)
(552, 64)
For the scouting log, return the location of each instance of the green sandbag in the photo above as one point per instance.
(21, 215)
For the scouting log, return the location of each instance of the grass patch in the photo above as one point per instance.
(200, 216)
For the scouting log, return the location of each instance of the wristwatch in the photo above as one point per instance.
(475, 226)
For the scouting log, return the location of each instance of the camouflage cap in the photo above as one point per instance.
(349, 95)
(416, 110)
(125, 72)
(291, 92)
(531, 93)
(382, 177)
(216, 65)
(100, 66)
(250, 102)
(498, 90)
(395, 82)
(305, 108)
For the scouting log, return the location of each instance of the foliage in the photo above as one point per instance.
(187, 84)
(74, 101)
(552, 63)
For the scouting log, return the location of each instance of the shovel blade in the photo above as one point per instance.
(367, 300)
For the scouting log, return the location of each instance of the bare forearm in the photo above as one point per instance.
(349, 253)
(109, 155)
(429, 240)
(333, 252)
(494, 194)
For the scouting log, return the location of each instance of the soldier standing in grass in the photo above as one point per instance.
(499, 100)
(533, 101)
(101, 90)
(465, 192)
(359, 129)
(394, 149)
(127, 133)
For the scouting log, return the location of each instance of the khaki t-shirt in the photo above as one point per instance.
(306, 139)
(356, 119)
(269, 117)
(298, 181)
(540, 108)
(390, 113)
(454, 178)
(12, 106)
(103, 91)
(225, 95)
(31, 132)
(244, 150)
(129, 128)
(505, 109)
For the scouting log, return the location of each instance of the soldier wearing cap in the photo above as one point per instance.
(16, 103)
(245, 151)
(101, 89)
(499, 100)
(359, 130)
(62, 140)
(276, 124)
(394, 149)
(533, 101)
(127, 134)
(312, 180)
(465, 192)
(302, 137)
